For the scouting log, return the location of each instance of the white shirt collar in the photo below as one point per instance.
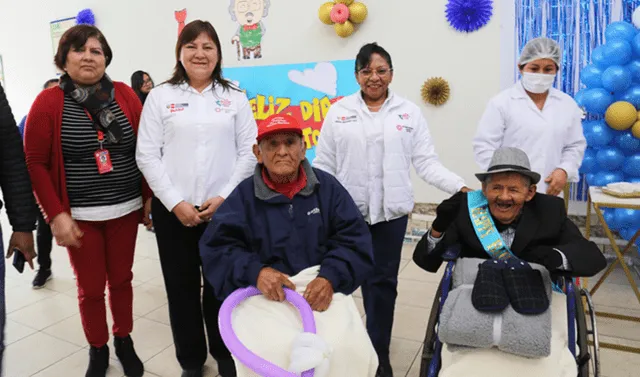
(188, 88)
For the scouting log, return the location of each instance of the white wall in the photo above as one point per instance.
(142, 34)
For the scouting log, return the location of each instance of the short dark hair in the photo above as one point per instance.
(137, 80)
(364, 55)
(77, 37)
(49, 82)
(189, 34)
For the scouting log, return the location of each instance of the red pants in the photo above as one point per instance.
(105, 258)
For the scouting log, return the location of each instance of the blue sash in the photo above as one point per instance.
(487, 232)
(485, 228)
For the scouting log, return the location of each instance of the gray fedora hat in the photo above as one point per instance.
(508, 159)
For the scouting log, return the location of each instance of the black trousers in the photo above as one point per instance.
(380, 291)
(188, 303)
(44, 238)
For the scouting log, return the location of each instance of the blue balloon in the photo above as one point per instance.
(591, 76)
(598, 56)
(632, 95)
(617, 52)
(627, 143)
(616, 79)
(633, 179)
(632, 165)
(610, 158)
(635, 43)
(591, 179)
(603, 178)
(579, 97)
(627, 218)
(597, 100)
(634, 68)
(627, 233)
(598, 134)
(588, 161)
(610, 218)
(620, 30)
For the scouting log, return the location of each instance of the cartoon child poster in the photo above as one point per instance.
(249, 15)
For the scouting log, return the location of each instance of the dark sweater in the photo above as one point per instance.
(14, 177)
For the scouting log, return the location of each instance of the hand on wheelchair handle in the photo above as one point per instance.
(447, 212)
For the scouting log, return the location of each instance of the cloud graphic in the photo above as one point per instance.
(323, 78)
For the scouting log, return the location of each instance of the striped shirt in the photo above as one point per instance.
(86, 187)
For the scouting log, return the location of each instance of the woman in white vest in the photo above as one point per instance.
(369, 140)
(533, 116)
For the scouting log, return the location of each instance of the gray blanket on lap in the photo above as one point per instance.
(463, 325)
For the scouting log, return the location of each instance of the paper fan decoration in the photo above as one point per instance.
(86, 16)
(435, 91)
(343, 14)
(469, 15)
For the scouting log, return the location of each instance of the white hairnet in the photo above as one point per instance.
(540, 48)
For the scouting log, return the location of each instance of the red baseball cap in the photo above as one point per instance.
(278, 123)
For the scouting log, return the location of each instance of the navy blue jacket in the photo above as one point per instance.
(257, 227)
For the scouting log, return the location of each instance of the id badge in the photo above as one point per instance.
(103, 160)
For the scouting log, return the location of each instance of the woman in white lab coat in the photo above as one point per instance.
(537, 118)
(369, 140)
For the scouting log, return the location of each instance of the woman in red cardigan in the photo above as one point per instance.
(80, 142)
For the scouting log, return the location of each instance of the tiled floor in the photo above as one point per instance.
(45, 338)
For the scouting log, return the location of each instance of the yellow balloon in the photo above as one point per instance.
(345, 2)
(621, 115)
(357, 12)
(344, 30)
(325, 12)
(635, 129)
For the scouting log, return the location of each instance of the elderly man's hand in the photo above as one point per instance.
(446, 212)
(270, 283)
(556, 182)
(319, 294)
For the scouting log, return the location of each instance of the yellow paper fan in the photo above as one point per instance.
(435, 91)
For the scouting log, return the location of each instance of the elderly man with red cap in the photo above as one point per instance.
(288, 220)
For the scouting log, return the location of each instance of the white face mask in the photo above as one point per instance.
(537, 82)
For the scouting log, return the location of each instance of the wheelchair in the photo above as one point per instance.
(588, 348)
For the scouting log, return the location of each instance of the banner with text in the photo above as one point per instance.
(305, 91)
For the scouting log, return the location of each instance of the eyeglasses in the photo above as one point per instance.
(382, 72)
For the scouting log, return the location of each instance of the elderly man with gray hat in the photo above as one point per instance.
(508, 219)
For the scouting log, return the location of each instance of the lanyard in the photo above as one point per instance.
(100, 133)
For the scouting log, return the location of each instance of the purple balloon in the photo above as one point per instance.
(257, 364)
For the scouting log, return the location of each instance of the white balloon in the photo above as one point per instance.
(636, 18)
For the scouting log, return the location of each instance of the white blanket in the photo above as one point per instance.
(269, 328)
(475, 362)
